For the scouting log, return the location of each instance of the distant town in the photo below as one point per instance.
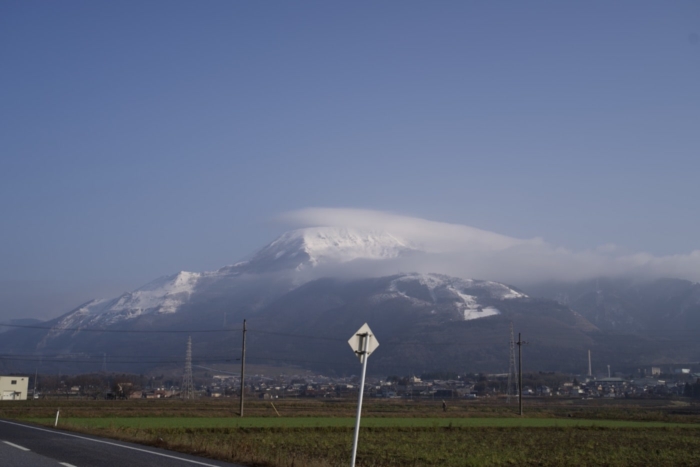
(652, 382)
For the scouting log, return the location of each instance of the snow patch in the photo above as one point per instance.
(460, 289)
(472, 309)
(312, 246)
(503, 291)
(164, 295)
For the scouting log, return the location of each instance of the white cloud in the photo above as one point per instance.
(434, 237)
(470, 252)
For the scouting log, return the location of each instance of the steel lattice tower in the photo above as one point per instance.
(187, 388)
(511, 370)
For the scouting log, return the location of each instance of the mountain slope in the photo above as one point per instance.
(648, 306)
(276, 265)
(421, 324)
(423, 321)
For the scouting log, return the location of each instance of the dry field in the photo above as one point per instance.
(318, 433)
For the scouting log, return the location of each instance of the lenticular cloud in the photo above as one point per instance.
(467, 251)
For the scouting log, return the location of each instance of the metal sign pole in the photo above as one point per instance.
(365, 339)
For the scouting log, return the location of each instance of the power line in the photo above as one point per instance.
(690, 334)
(166, 361)
(302, 336)
(122, 331)
(94, 358)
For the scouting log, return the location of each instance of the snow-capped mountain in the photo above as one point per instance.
(314, 246)
(281, 262)
(292, 252)
(425, 320)
(287, 287)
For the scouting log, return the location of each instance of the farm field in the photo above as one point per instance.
(395, 433)
(325, 422)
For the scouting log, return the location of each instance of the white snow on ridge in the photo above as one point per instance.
(163, 295)
(91, 308)
(433, 281)
(461, 290)
(504, 292)
(84, 316)
(495, 289)
(316, 245)
(344, 245)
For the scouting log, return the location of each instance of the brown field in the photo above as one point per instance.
(318, 433)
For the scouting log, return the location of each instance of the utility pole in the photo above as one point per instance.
(36, 374)
(590, 373)
(243, 369)
(520, 344)
(511, 366)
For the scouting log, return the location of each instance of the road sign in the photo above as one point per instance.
(357, 341)
(363, 343)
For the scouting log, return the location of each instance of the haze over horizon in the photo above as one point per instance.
(144, 139)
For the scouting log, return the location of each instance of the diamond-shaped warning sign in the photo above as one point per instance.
(357, 341)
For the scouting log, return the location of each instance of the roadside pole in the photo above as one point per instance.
(520, 375)
(243, 370)
(363, 344)
(365, 338)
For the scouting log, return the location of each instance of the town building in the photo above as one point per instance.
(14, 388)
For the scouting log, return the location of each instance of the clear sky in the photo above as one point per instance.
(138, 139)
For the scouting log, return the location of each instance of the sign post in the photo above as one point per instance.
(363, 343)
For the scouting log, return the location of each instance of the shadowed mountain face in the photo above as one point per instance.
(424, 322)
(420, 327)
(663, 305)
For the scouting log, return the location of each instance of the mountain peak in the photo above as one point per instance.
(312, 246)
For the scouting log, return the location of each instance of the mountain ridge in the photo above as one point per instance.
(449, 321)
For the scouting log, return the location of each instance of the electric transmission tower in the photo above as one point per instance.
(187, 388)
(511, 369)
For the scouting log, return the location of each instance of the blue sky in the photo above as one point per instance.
(143, 138)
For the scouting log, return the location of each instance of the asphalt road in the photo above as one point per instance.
(31, 446)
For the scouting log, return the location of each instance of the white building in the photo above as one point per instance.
(14, 388)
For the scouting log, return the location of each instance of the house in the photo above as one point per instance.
(14, 388)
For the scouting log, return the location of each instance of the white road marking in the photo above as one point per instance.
(66, 464)
(16, 446)
(103, 442)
